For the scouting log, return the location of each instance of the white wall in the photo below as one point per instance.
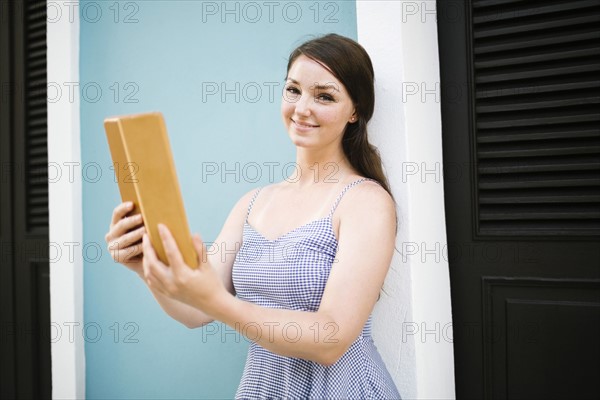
(66, 264)
(413, 324)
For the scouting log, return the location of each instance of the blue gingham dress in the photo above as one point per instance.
(290, 272)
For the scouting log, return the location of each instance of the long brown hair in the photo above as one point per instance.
(349, 62)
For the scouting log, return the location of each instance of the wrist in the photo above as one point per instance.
(141, 275)
(221, 305)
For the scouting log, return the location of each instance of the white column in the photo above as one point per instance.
(66, 266)
(413, 325)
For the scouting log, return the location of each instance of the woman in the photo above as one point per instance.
(310, 266)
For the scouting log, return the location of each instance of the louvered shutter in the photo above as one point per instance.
(24, 273)
(36, 131)
(536, 116)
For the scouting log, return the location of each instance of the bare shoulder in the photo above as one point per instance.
(368, 194)
(237, 214)
(241, 207)
(369, 202)
(375, 189)
(244, 201)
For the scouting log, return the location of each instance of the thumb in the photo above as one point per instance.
(200, 249)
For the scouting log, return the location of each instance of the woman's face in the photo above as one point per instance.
(315, 106)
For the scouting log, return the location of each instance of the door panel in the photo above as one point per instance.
(521, 123)
(24, 269)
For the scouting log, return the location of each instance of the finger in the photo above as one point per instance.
(129, 239)
(200, 249)
(158, 274)
(124, 255)
(130, 252)
(146, 259)
(127, 246)
(123, 226)
(127, 223)
(149, 255)
(150, 258)
(120, 211)
(171, 249)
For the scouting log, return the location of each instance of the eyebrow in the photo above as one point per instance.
(318, 87)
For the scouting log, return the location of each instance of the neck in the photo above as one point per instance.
(320, 166)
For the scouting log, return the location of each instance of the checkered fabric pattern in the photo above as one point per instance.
(290, 272)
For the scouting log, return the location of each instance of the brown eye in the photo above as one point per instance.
(325, 97)
(291, 93)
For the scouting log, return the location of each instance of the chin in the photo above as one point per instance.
(300, 141)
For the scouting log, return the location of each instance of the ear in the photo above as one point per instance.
(353, 117)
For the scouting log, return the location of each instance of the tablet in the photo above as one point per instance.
(145, 171)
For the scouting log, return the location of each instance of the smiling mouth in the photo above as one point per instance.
(304, 124)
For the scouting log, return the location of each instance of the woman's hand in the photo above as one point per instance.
(124, 238)
(200, 287)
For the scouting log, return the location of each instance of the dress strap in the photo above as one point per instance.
(348, 186)
(252, 202)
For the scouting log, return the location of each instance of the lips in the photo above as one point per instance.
(302, 124)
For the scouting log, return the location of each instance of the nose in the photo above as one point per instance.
(303, 105)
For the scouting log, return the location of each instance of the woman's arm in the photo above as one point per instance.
(189, 316)
(365, 248)
(229, 238)
(125, 250)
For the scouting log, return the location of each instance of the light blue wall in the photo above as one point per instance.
(169, 60)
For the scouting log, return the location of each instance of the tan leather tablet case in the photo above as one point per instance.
(141, 154)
